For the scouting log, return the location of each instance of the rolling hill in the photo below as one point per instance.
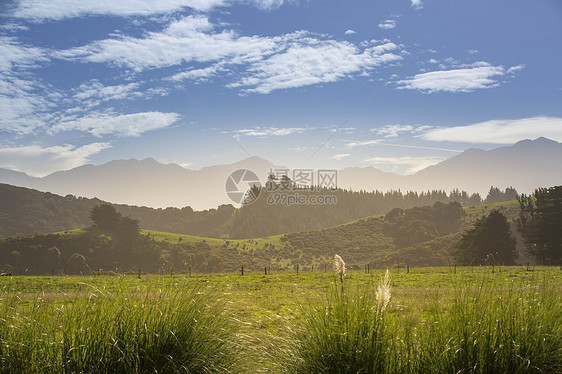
(369, 240)
(25, 211)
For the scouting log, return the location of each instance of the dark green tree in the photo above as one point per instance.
(489, 241)
(127, 230)
(105, 216)
(494, 195)
(540, 224)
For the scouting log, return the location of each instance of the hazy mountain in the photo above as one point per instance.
(144, 183)
(525, 165)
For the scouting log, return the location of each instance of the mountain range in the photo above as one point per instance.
(525, 166)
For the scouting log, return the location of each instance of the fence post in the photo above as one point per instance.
(297, 269)
(265, 270)
(368, 268)
(242, 270)
(408, 269)
(139, 273)
(398, 268)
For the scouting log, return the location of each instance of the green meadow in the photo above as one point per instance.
(441, 320)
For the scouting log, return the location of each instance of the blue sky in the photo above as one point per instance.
(394, 84)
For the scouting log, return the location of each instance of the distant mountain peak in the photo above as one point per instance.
(540, 140)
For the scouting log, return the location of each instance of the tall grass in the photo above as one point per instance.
(491, 328)
(182, 330)
(485, 325)
(347, 333)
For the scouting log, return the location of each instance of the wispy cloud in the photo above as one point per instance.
(392, 131)
(20, 107)
(199, 75)
(417, 4)
(477, 76)
(99, 124)
(40, 161)
(339, 156)
(500, 131)
(44, 10)
(380, 142)
(387, 24)
(267, 63)
(185, 41)
(266, 132)
(307, 60)
(349, 32)
(360, 143)
(94, 93)
(416, 163)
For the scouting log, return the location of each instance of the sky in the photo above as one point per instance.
(394, 84)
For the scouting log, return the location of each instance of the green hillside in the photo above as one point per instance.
(26, 212)
(421, 236)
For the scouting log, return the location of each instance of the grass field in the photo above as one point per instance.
(438, 320)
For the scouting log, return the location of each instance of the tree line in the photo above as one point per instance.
(491, 240)
(24, 212)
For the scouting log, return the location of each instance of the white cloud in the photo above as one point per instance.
(354, 144)
(349, 32)
(387, 24)
(417, 4)
(500, 131)
(267, 4)
(42, 10)
(392, 131)
(15, 55)
(266, 63)
(416, 163)
(99, 124)
(20, 107)
(93, 93)
(309, 61)
(265, 132)
(514, 69)
(477, 76)
(340, 156)
(198, 74)
(187, 40)
(40, 161)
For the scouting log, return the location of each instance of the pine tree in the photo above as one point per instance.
(490, 241)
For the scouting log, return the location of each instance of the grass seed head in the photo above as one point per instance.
(383, 292)
(339, 266)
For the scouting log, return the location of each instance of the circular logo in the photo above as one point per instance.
(243, 186)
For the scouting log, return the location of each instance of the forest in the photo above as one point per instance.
(26, 212)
